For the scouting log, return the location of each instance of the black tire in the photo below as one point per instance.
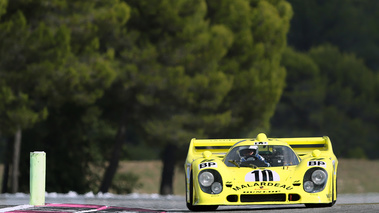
(197, 208)
(319, 205)
(201, 208)
(335, 195)
(322, 205)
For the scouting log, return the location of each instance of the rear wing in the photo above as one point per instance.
(305, 146)
(218, 147)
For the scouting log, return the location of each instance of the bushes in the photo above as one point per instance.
(125, 183)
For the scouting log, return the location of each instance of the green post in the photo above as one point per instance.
(37, 178)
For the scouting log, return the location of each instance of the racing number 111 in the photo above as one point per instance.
(266, 175)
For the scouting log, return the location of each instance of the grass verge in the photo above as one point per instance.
(357, 176)
(150, 176)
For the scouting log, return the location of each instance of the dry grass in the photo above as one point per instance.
(358, 176)
(354, 176)
(150, 176)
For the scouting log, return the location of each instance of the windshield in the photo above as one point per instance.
(261, 156)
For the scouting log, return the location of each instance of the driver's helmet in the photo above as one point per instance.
(247, 151)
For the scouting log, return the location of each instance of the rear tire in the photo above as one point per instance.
(197, 208)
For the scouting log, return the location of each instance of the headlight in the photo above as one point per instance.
(206, 179)
(319, 177)
(315, 180)
(216, 187)
(210, 181)
(309, 186)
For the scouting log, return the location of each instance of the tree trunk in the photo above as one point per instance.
(168, 170)
(4, 186)
(16, 160)
(7, 156)
(114, 161)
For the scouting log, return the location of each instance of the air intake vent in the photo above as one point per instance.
(263, 198)
(293, 197)
(232, 198)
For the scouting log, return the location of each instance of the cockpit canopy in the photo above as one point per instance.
(261, 156)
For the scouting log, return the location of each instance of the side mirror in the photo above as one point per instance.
(207, 154)
(316, 153)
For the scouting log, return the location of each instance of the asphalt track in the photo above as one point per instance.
(345, 203)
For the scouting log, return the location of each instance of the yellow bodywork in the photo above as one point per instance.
(286, 188)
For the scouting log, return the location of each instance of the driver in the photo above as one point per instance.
(251, 153)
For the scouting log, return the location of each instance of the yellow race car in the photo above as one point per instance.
(260, 171)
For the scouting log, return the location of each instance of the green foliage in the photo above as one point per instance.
(348, 24)
(52, 68)
(3, 6)
(18, 109)
(175, 79)
(126, 183)
(352, 95)
(302, 102)
(253, 61)
(326, 95)
(72, 72)
(332, 89)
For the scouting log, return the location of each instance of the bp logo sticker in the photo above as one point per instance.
(208, 165)
(316, 163)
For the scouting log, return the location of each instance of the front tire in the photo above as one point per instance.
(197, 208)
(322, 205)
(318, 205)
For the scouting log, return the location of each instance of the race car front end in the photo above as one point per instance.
(245, 186)
(261, 171)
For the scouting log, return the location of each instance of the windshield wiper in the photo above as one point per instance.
(253, 166)
(234, 162)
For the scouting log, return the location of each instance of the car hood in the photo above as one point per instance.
(256, 178)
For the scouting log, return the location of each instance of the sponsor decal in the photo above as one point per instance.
(262, 175)
(261, 186)
(207, 165)
(261, 192)
(317, 158)
(316, 163)
(261, 143)
(207, 160)
(296, 183)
